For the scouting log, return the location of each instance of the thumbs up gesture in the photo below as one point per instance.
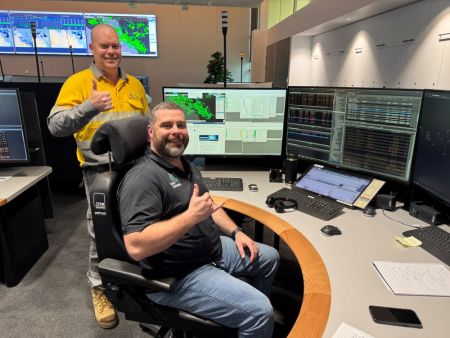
(101, 100)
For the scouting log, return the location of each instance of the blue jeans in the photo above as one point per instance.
(213, 293)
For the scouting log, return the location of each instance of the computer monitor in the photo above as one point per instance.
(13, 141)
(432, 158)
(232, 122)
(362, 129)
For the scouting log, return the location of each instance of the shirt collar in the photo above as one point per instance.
(97, 73)
(155, 157)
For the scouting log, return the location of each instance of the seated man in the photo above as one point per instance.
(171, 224)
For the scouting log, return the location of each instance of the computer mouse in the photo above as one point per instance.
(330, 230)
(369, 211)
(253, 187)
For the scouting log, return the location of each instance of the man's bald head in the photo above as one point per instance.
(101, 29)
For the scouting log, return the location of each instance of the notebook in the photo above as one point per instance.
(347, 188)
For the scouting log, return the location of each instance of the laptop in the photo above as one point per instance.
(346, 188)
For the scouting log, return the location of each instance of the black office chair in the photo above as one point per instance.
(125, 282)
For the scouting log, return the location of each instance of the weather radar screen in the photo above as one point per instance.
(137, 33)
(201, 108)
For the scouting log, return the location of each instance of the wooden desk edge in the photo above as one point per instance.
(315, 309)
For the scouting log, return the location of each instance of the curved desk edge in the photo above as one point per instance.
(315, 309)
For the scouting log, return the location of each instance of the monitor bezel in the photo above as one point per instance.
(364, 172)
(12, 162)
(240, 156)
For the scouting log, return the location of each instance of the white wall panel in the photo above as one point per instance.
(433, 52)
(405, 66)
(386, 59)
(444, 74)
(410, 21)
(301, 56)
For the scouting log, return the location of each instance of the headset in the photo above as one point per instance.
(280, 204)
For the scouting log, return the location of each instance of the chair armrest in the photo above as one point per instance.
(124, 273)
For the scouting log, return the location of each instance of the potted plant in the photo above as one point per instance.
(215, 69)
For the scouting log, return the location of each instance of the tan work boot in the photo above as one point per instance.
(103, 309)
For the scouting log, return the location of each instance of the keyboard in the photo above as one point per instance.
(224, 183)
(319, 207)
(434, 240)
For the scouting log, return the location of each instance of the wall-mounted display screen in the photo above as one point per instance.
(57, 32)
(364, 129)
(231, 121)
(137, 33)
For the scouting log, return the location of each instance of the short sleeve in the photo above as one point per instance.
(140, 202)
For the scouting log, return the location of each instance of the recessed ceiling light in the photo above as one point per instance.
(348, 19)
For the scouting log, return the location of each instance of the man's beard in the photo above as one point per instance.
(169, 149)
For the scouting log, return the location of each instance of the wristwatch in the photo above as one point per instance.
(235, 231)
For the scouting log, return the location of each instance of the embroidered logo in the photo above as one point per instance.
(174, 181)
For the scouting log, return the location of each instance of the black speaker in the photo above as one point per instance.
(385, 201)
(425, 213)
(291, 168)
(276, 175)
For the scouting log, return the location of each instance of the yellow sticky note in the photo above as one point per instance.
(408, 241)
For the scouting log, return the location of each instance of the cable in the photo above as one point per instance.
(409, 225)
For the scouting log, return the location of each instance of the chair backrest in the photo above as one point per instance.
(126, 139)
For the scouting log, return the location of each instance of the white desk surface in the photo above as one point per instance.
(24, 178)
(348, 258)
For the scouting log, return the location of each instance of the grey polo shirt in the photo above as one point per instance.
(154, 190)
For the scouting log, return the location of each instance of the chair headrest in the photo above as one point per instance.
(125, 138)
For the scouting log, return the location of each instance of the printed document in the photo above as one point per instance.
(347, 331)
(422, 279)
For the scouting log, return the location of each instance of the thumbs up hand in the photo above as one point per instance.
(101, 100)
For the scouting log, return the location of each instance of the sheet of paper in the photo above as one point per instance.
(410, 241)
(423, 279)
(347, 331)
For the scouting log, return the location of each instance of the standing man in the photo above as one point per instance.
(171, 224)
(87, 100)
